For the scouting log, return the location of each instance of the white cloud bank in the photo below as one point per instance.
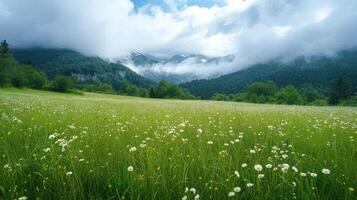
(252, 30)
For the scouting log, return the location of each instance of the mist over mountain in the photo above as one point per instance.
(177, 68)
(318, 71)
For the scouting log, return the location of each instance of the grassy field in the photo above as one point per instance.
(92, 146)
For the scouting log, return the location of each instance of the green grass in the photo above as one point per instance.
(64, 146)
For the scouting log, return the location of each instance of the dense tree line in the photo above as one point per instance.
(317, 71)
(340, 93)
(64, 76)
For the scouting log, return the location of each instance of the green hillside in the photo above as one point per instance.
(85, 68)
(93, 146)
(317, 71)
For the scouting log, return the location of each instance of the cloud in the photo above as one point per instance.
(252, 30)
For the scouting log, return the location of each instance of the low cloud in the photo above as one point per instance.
(252, 30)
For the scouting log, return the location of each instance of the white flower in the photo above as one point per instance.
(130, 168)
(244, 165)
(269, 166)
(260, 176)
(186, 189)
(237, 189)
(193, 190)
(252, 151)
(313, 174)
(250, 184)
(294, 169)
(302, 174)
(22, 198)
(326, 171)
(197, 197)
(258, 167)
(199, 130)
(132, 149)
(209, 142)
(184, 197)
(237, 174)
(69, 173)
(231, 194)
(285, 167)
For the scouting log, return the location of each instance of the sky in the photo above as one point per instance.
(254, 31)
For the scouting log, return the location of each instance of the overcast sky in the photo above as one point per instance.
(252, 30)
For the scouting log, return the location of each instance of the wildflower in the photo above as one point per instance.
(244, 165)
(231, 194)
(268, 166)
(130, 168)
(237, 174)
(294, 169)
(258, 167)
(47, 150)
(209, 142)
(72, 126)
(22, 198)
(69, 173)
(186, 189)
(326, 171)
(260, 176)
(250, 184)
(302, 174)
(197, 197)
(237, 189)
(132, 149)
(351, 189)
(252, 151)
(313, 174)
(184, 197)
(285, 167)
(193, 190)
(199, 130)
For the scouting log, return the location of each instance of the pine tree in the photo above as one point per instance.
(4, 47)
(339, 90)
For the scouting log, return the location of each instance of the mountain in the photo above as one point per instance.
(318, 71)
(156, 68)
(85, 68)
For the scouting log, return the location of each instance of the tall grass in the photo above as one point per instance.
(60, 146)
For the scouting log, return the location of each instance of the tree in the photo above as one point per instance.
(289, 95)
(165, 89)
(310, 94)
(63, 83)
(36, 79)
(4, 47)
(261, 92)
(220, 97)
(340, 90)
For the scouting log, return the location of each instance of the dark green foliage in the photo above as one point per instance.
(132, 90)
(4, 48)
(35, 78)
(318, 72)
(289, 95)
(352, 101)
(85, 69)
(261, 92)
(220, 97)
(168, 90)
(63, 83)
(340, 90)
(309, 93)
(14, 74)
(97, 86)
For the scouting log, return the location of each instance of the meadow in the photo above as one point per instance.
(94, 146)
